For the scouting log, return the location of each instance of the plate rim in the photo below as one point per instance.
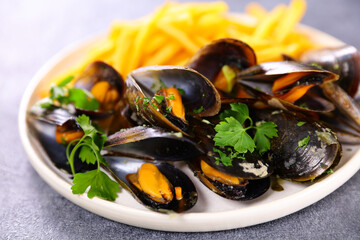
(224, 220)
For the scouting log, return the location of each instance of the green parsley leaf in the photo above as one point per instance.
(87, 155)
(84, 122)
(159, 98)
(168, 109)
(83, 99)
(146, 100)
(90, 146)
(299, 124)
(303, 143)
(330, 171)
(263, 132)
(225, 159)
(46, 103)
(100, 185)
(137, 103)
(181, 91)
(65, 81)
(231, 133)
(199, 110)
(303, 105)
(171, 97)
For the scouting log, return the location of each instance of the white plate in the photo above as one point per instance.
(212, 212)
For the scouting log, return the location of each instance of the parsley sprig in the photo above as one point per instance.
(232, 133)
(90, 146)
(61, 94)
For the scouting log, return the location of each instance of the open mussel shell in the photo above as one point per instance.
(292, 74)
(55, 115)
(343, 60)
(252, 166)
(121, 167)
(44, 131)
(346, 131)
(308, 104)
(258, 81)
(151, 143)
(248, 190)
(108, 87)
(198, 93)
(344, 103)
(212, 57)
(290, 156)
(100, 71)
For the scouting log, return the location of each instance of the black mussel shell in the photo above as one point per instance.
(198, 93)
(54, 116)
(343, 60)
(121, 167)
(249, 190)
(45, 134)
(304, 150)
(110, 116)
(151, 143)
(308, 104)
(100, 71)
(268, 72)
(212, 57)
(344, 103)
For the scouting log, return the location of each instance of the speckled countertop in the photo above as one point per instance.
(31, 32)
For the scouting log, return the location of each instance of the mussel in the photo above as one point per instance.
(221, 58)
(343, 60)
(163, 95)
(55, 129)
(157, 185)
(151, 143)
(288, 80)
(228, 186)
(108, 87)
(304, 150)
(246, 178)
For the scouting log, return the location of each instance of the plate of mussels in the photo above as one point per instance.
(179, 162)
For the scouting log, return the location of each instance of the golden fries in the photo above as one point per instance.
(174, 32)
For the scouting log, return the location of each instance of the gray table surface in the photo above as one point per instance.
(33, 31)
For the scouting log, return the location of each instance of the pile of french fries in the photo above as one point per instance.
(175, 31)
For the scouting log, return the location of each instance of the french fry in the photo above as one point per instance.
(295, 12)
(175, 31)
(256, 10)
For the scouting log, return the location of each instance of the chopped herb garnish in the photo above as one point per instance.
(181, 91)
(330, 171)
(199, 110)
(303, 143)
(229, 75)
(90, 146)
(159, 98)
(231, 133)
(171, 97)
(168, 109)
(316, 65)
(62, 95)
(299, 124)
(303, 105)
(137, 103)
